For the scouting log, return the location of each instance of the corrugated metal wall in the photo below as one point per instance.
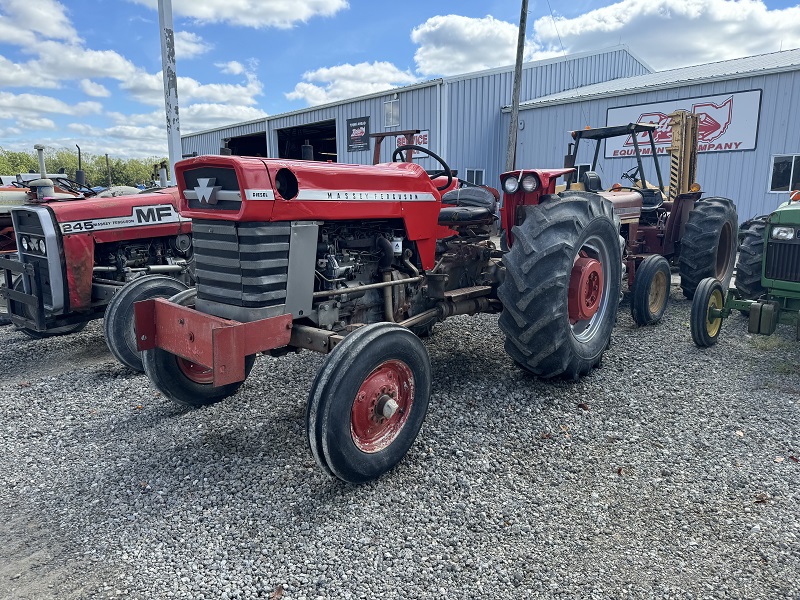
(469, 136)
(477, 132)
(210, 142)
(742, 176)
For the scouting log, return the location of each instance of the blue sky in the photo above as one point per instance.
(88, 71)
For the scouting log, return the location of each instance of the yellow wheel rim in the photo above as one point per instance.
(657, 293)
(713, 325)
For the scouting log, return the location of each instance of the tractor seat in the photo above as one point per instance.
(651, 198)
(471, 196)
(455, 216)
(591, 182)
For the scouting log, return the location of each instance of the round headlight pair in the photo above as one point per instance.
(529, 184)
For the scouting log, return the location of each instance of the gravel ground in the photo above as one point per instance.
(669, 473)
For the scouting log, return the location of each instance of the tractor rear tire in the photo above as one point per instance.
(540, 335)
(708, 246)
(751, 257)
(181, 380)
(350, 432)
(650, 292)
(118, 324)
(709, 295)
(52, 332)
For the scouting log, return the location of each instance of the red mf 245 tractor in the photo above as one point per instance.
(356, 261)
(75, 255)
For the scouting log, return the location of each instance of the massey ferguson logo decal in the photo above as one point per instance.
(139, 217)
(206, 190)
(725, 122)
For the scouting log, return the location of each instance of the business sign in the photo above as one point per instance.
(358, 134)
(727, 123)
(420, 139)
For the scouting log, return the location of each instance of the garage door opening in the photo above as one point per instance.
(248, 145)
(321, 136)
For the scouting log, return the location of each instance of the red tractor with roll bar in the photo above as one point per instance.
(662, 226)
(356, 261)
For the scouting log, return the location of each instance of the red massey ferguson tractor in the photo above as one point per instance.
(79, 259)
(352, 261)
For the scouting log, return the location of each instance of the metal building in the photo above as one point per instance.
(749, 132)
(459, 117)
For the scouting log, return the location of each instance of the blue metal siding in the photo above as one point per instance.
(469, 134)
(742, 176)
(210, 142)
(478, 132)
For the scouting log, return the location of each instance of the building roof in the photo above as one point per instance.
(761, 64)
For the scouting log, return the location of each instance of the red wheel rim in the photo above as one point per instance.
(585, 289)
(195, 372)
(382, 406)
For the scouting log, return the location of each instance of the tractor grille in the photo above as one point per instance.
(28, 222)
(783, 261)
(242, 264)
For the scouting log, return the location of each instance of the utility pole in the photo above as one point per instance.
(170, 83)
(108, 170)
(512, 129)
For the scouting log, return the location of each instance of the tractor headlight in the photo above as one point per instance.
(42, 247)
(782, 233)
(25, 244)
(511, 184)
(530, 183)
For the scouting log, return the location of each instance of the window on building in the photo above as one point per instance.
(475, 176)
(785, 173)
(391, 113)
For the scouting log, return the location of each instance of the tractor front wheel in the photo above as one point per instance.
(705, 322)
(708, 246)
(562, 286)
(650, 290)
(751, 256)
(368, 402)
(119, 323)
(182, 380)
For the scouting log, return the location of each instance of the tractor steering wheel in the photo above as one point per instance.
(398, 153)
(74, 186)
(630, 174)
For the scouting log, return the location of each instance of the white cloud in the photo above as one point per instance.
(29, 123)
(14, 105)
(453, 44)
(47, 18)
(348, 81)
(675, 33)
(253, 13)
(96, 90)
(188, 45)
(148, 88)
(231, 68)
(194, 117)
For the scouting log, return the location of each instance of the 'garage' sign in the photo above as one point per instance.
(728, 122)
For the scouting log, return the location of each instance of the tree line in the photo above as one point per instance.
(131, 171)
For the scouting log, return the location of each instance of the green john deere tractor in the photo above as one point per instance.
(767, 284)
